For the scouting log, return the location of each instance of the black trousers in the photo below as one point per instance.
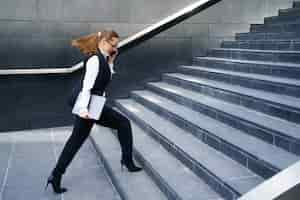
(81, 130)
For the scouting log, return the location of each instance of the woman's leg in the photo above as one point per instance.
(113, 119)
(81, 131)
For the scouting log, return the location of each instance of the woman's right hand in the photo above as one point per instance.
(84, 115)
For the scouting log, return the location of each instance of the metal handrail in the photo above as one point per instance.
(284, 185)
(131, 41)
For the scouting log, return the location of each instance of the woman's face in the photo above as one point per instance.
(110, 46)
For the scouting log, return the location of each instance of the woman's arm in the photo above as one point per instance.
(90, 76)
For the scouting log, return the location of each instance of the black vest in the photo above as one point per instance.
(102, 80)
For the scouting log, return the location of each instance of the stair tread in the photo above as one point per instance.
(288, 9)
(261, 94)
(279, 80)
(277, 28)
(207, 156)
(271, 40)
(267, 152)
(168, 166)
(261, 119)
(283, 64)
(107, 143)
(257, 50)
(283, 24)
(263, 44)
(289, 19)
(291, 35)
(266, 33)
(267, 40)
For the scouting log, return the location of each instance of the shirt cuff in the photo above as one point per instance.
(111, 66)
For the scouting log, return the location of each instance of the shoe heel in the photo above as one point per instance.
(130, 166)
(55, 183)
(122, 167)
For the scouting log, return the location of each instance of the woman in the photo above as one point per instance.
(101, 50)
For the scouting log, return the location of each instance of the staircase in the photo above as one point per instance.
(218, 128)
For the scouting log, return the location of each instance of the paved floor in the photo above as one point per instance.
(27, 158)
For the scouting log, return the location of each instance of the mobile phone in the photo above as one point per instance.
(113, 53)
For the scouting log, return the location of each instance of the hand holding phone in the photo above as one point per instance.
(113, 53)
(112, 56)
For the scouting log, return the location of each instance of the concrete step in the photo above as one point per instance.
(276, 28)
(129, 185)
(296, 4)
(289, 45)
(282, 106)
(281, 19)
(196, 155)
(167, 171)
(289, 12)
(267, 36)
(277, 85)
(289, 70)
(213, 132)
(270, 129)
(253, 54)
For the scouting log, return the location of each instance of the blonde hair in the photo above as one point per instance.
(88, 44)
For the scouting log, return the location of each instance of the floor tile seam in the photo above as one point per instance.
(4, 183)
(54, 151)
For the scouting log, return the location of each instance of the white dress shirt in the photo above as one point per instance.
(91, 72)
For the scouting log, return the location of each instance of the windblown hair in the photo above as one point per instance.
(88, 44)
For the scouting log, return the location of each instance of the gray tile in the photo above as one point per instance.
(197, 30)
(242, 11)
(124, 10)
(245, 183)
(36, 143)
(18, 9)
(101, 11)
(123, 29)
(50, 10)
(33, 160)
(19, 29)
(88, 183)
(30, 170)
(153, 11)
(6, 147)
(127, 182)
(37, 193)
(226, 30)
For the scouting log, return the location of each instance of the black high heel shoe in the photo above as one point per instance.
(130, 166)
(55, 181)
